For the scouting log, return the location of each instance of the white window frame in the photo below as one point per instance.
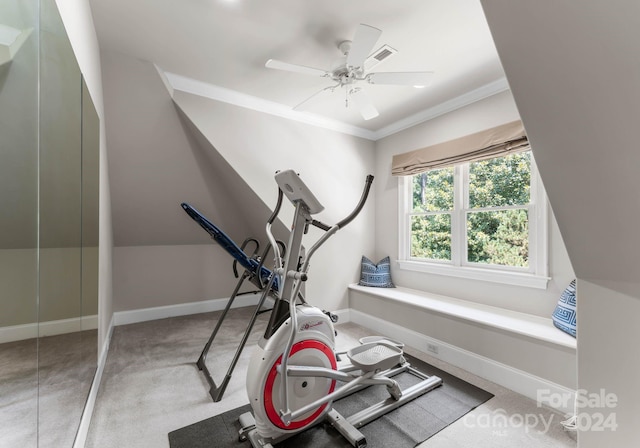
(535, 276)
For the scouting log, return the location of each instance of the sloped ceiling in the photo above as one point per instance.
(242, 200)
(156, 163)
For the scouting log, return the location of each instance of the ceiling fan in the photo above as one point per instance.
(350, 71)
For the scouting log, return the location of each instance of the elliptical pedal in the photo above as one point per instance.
(375, 356)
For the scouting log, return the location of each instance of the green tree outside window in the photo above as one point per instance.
(495, 212)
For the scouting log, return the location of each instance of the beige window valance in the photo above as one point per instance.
(494, 142)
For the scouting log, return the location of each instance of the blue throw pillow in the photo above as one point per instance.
(564, 316)
(377, 275)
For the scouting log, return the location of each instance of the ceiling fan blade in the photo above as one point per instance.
(418, 79)
(363, 41)
(364, 104)
(302, 103)
(279, 65)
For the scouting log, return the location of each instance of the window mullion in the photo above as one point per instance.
(458, 234)
(404, 222)
(464, 247)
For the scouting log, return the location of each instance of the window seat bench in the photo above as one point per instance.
(532, 326)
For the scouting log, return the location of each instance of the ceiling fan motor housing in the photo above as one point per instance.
(340, 72)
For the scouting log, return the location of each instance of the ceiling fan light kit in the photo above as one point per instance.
(353, 68)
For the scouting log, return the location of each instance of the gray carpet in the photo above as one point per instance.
(44, 384)
(407, 426)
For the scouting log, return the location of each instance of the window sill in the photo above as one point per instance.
(535, 327)
(488, 275)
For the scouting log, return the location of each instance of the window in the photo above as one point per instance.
(484, 220)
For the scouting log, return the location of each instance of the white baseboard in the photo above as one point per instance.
(54, 327)
(182, 309)
(18, 333)
(344, 315)
(49, 328)
(514, 379)
(87, 414)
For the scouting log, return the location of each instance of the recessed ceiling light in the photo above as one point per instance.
(230, 4)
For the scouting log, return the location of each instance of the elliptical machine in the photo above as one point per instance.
(293, 373)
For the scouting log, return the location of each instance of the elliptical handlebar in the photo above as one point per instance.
(272, 239)
(277, 209)
(365, 194)
(356, 211)
(300, 196)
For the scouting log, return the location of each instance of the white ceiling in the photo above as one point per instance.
(225, 43)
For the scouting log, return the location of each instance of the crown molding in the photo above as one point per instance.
(188, 85)
(181, 83)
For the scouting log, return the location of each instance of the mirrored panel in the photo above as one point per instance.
(18, 223)
(49, 188)
(67, 334)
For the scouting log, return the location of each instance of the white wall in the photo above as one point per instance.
(78, 21)
(490, 112)
(333, 165)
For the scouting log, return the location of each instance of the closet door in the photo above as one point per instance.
(65, 337)
(49, 146)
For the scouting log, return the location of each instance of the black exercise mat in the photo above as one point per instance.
(406, 426)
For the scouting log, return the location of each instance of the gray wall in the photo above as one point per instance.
(156, 164)
(221, 159)
(333, 165)
(161, 255)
